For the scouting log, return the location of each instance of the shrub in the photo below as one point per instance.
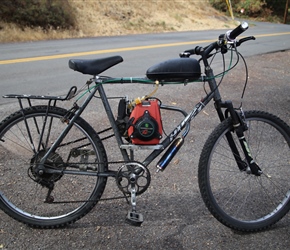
(252, 8)
(221, 5)
(38, 13)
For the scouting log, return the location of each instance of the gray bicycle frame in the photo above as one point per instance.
(165, 143)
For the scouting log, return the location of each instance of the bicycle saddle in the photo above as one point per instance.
(94, 66)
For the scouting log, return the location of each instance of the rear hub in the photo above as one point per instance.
(54, 161)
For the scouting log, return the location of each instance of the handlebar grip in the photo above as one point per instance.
(190, 51)
(231, 35)
(195, 51)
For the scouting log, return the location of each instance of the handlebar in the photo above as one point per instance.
(229, 37)
(233, 34)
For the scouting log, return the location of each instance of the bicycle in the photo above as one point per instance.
(54, 166)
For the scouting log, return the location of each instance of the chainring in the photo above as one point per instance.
(142, 178)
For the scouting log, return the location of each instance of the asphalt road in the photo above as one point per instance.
(42, 67)
(175, 216)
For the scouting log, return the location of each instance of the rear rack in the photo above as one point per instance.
(69, 95)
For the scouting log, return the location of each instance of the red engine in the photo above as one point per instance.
(145, 126)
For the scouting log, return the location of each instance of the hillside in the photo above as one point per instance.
(121, 17)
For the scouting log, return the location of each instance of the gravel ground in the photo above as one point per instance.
(175, 216)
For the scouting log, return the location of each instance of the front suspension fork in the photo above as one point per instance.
(253, 167)
(239, 126)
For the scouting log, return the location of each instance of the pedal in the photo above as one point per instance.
(134, 218)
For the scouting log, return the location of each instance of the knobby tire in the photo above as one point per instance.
(22, 194)
(240, 200)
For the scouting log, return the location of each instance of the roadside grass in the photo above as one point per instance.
(122, 17)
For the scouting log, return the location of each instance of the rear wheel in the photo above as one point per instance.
(239, 199)
(49, 200)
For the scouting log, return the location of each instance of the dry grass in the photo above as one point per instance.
(121, 17)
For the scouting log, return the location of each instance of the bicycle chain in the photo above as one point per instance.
(126, 195)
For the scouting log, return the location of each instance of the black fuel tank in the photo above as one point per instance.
(173, 70)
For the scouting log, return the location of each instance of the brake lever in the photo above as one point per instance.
(238, 43)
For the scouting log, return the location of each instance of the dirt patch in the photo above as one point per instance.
(122, 17)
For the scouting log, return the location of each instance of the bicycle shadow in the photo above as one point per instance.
(175, 221)
(162, 210)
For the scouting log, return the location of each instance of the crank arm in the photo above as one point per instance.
(133, 218)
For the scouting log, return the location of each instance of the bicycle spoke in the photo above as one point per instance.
(240, 199)
(28, 195)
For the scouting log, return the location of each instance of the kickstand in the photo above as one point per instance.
(133, 218)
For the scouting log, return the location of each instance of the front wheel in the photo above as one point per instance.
(239, 199)
(55, 199)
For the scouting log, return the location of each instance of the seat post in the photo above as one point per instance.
(111, 118)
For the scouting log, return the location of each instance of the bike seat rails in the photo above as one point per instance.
(63, 162)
